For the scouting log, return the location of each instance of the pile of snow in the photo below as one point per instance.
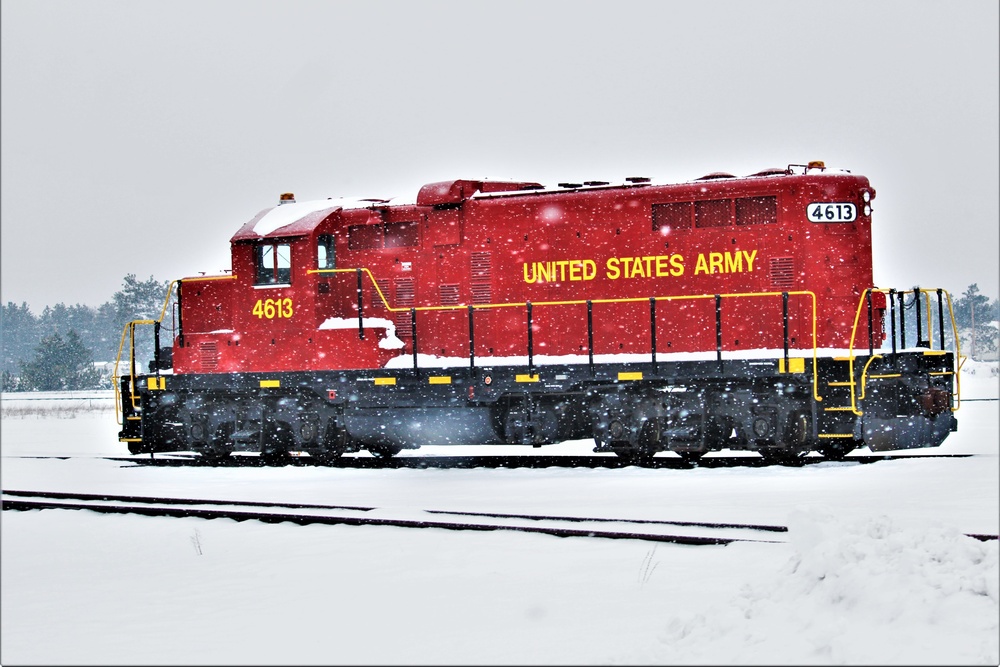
(869, 591)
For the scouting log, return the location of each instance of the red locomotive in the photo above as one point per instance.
(719, 313)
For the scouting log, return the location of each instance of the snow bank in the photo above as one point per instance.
(869, 591)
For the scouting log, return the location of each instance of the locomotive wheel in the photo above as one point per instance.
(782, 456)
(642, 454)
(690, 457)
(220, 448)
(333, 445)
(384, 451)
(835, 451)
(215, 456)
(277, 438)
(327, 456)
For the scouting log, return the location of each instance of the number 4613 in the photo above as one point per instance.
(273, 308)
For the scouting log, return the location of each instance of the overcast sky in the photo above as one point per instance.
(137, 137)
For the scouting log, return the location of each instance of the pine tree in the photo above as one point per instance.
(59, 364)
(139, 300)
(974, 315)
(19, 334)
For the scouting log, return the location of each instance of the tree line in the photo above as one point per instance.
(56, 350)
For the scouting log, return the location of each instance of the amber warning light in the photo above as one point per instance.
(286, 198)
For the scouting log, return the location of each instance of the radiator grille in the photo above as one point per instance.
(208, 355)
(376, 300)
(782, 273)
(404, 299)
(482, 277)
(449, 295)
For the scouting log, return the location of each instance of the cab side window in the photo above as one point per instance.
(324, 252)
(273, 263)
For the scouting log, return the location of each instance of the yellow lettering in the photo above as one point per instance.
(589, 263)
(734, 264)
(637, 271)
(661, 266)
(562, 269)
(677, 261)
(269, 309)
(613, 271)
(543, 276)
(750, 256)
(533, 277)
(715, 262)
(574, 270)
(701, 266)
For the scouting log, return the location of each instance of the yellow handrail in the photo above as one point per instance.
(930, 338)
(129, 331)
(577, 302)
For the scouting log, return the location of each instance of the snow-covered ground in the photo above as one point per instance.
(875, 569)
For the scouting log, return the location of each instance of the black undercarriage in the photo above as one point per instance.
(886, 402)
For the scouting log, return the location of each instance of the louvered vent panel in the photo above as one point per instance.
(482, 266)
(449, 295)
(376, 300)
(482, 293)
(782, 273)
(404, 299)
(482, 277)
(208, 355)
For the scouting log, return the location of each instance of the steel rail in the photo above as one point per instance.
(162, 507)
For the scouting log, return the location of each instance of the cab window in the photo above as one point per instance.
(324, 252)
(274, 264)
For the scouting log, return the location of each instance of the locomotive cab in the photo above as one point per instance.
(285, 306)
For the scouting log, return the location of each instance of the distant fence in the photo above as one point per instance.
(62, 404)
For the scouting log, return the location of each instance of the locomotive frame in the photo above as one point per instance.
(680, 381)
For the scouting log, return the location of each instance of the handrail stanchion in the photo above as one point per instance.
(472, 340)
(361, 323)
(784, 319)
(156, 346)
(718, 329)
(871, 331)
(941, 315)
(892, 320)
(531, 349)
(652, 330)
(590, 335)
(413, 333)
(180, 316)
(917, 314)
(902, 319)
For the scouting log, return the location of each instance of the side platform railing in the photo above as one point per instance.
(787, 363)
(123, 382)
(858, 387)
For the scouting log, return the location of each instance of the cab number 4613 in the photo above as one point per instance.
(273, 308)
(832, 212)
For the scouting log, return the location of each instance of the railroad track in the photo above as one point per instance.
(501, 461)
(695, 533)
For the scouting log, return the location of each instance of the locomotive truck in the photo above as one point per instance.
(720, 313)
